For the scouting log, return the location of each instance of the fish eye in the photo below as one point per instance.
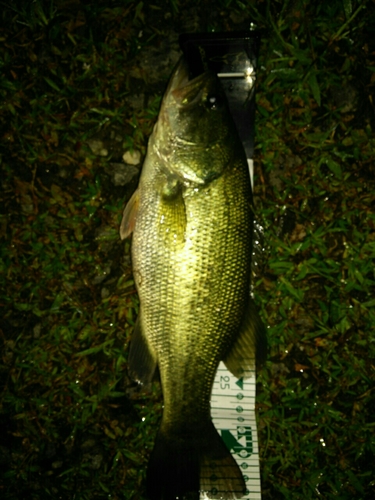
(213, 101)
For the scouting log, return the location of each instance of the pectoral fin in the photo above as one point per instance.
(142, 359)
(129, 216)
(250, 348)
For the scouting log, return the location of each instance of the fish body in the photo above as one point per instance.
(191, 219)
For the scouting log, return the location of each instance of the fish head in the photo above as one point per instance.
(194, 126)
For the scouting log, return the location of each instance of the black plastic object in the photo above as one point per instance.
(232, 56)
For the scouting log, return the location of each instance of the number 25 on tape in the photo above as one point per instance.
(224, 382)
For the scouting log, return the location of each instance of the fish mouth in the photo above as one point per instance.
(185, 92)
(180, 75)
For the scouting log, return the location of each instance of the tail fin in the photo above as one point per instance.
(184, 465)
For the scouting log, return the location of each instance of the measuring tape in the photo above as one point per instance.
(233, 414)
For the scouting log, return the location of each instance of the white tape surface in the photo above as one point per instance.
(233, 413)
(251, 171)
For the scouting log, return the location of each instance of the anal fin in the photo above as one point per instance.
(250, 347)
(142, 360)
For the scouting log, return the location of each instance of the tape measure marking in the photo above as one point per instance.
(233, 413)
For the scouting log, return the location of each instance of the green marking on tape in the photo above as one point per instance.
(240, 383)
(234, 445)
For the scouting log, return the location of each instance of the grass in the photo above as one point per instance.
(74, 425)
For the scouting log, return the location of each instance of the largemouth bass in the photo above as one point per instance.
(191, 219)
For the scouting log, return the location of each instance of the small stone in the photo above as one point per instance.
(97, 147)
(121, 174)
(102, 275)
(132, 157)
(28, 207)
(37, 330)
